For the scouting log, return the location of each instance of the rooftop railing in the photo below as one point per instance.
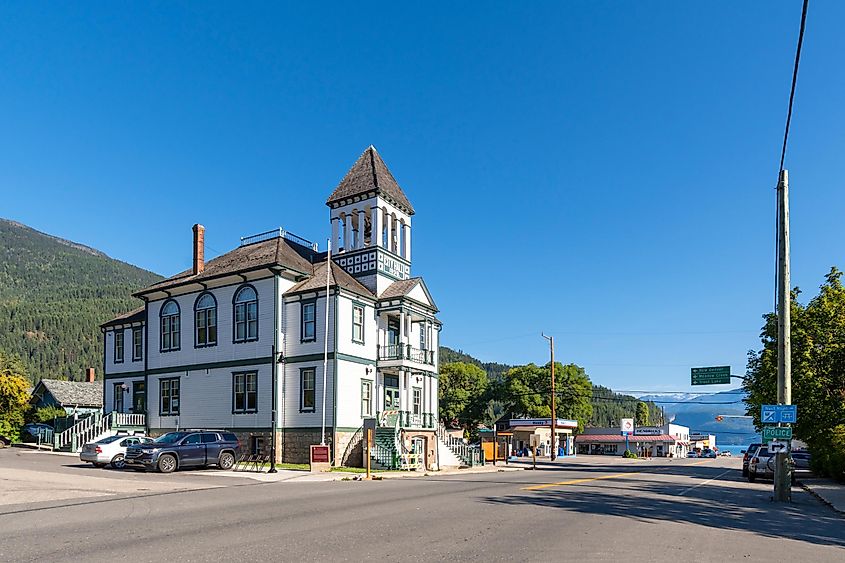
(278, 233)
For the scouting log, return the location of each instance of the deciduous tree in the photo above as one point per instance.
(14, 396)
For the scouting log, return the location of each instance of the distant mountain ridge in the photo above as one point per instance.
(54, 294)
(699, 412)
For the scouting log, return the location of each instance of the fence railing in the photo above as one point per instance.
(82, 432)
(127, 419)
(278, 233)
(405, 352)
(470, 454)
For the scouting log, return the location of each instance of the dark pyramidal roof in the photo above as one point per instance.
(370, 174)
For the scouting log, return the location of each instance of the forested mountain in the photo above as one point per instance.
(494, 371)
(608, 407)
(54, 294)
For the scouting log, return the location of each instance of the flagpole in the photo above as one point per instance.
(326, 344)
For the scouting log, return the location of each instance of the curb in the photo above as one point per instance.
(821, 498)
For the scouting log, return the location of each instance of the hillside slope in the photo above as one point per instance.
(608, 407)
(54, 294)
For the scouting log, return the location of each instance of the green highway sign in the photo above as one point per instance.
(777, 433)
(718, 375)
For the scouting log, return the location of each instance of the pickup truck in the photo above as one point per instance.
(184, 448)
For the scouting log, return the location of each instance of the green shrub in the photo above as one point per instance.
(48, 414)
(629, 454)
(828, 456)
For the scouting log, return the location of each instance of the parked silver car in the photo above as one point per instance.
(111, 450)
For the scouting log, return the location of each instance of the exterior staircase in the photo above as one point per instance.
(468, 455)
(96, 427)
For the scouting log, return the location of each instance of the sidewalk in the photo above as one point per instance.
(826, 490)
(301, 476)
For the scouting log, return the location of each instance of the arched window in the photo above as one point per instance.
(170, 326)
(205, 315)
(246, 314)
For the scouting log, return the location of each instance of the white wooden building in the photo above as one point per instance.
(202, 350)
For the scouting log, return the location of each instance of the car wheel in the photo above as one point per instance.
(117, 462)
(98, 465)
(226, 461)
(167, 464)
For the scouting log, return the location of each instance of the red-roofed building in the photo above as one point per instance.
(669, 440)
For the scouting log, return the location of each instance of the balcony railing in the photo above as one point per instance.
(406, 352)
(406, 419)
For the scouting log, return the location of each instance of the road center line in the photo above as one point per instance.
(614, 476)
(685, 491)
(576, 481)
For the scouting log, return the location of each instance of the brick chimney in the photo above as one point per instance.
(90, 375)
(199, 249)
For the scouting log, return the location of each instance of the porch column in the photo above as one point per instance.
(362, 226)
(389, 228)
(377, 226)
(336, 233)
(347, 232)
(406, 242)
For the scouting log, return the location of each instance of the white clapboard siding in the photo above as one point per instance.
(206, 400)
(225, 349)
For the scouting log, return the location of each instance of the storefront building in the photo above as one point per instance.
(669, 440)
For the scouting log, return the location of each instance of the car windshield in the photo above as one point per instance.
(110, 439)
(763, 452)
(170, 437)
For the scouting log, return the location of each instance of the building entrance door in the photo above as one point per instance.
(139, 397)
(391, 392)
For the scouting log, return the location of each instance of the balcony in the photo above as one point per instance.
(406, 419)
(405, 352)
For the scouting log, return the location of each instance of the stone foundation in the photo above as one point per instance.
(354, 450)
(294, 445)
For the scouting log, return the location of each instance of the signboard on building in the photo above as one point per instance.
(777, 433)
(627, 426)
(774, 414)
(648, 431)
(715, 375)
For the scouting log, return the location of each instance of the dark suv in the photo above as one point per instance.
(185, 448)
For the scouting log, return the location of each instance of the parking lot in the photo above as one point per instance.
(31, 479)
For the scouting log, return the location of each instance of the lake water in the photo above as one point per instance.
(735, 450)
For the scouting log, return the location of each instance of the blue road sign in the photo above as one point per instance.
(788, 413)
(774, 414)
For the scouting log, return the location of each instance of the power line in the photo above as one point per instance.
(786, 134)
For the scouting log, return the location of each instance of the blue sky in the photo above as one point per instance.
(603, 172)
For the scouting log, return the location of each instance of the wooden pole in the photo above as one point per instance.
(783, 492)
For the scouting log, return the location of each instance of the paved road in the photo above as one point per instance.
(594, 509)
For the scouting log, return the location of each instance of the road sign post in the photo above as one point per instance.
(716, 375)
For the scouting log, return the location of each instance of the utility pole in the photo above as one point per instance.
(783, 485)
(553, 453)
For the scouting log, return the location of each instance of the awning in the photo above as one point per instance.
(618, 438)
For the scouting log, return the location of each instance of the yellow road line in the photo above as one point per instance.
(576, 481)
(588, 479)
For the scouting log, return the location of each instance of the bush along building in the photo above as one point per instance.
(205, 347)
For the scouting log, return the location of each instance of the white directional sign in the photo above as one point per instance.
(778, 447)
(627, 426)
